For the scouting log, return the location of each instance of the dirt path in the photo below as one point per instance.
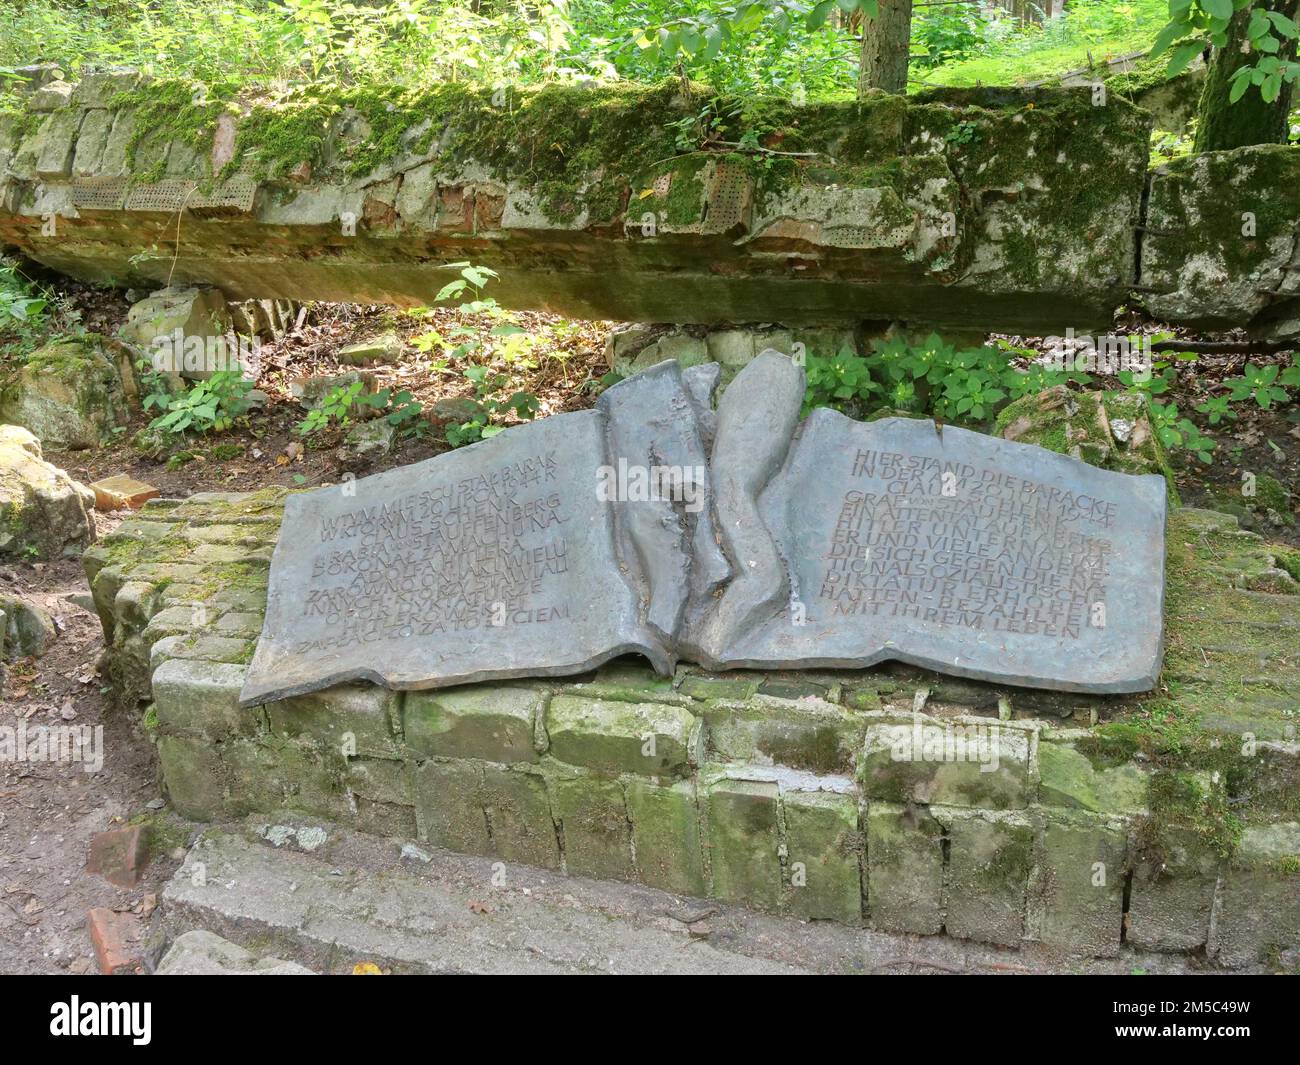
(48, 810)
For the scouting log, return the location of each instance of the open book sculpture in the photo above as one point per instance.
(740, 537)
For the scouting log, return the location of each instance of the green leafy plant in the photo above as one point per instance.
(337, 407)
(1148, 384)
(1195, 25)
(20, 303)
(492, 400)
(843, 381)
(207, 406)
(1258, 383)
(1217, 409)
(1290, 377)
(1179, 433)
(932, 377)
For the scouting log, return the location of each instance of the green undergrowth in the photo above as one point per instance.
(1088, 34)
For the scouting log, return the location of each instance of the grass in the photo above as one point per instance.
(258, 43)
(1100, 29)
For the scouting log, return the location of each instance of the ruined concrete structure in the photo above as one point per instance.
(985, 209)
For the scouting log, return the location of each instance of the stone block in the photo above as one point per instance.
(904, 869)
(52, 96)
(449, 805)
(1171, 894)
(1078, 891)
(92, 139)
(519, 817)
(593, 819)
(1259, 904)
(744, 842)
(68, 393)
(386, 818)
(824, 852)
(485, 721)
(350, 719)
(990, 858)
(646, 738)
(961, 761)
(43, 511)
(702, 686)
(733, 349)
(666, 833)
(98, 90)
(55, 144)
(201, 953)
(1067, 779)
(197, 698)
(383, 349)
(382, 780)
(269, 775)
(193, 777)
(809, 734)
(367, 442)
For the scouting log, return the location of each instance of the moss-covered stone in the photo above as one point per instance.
(193, 777)
(896, 199)
(519, 817)
(495, 723)
(1110, 431)
(1260, 911)
(807, 734)
(959, 762)
(1221, 226)
(666, 833)
(989, 861)
(353, 719)
(69, 393)
(824, 855)
(648, 738)
(904, 869)
(1079, 890)
(592, 816)
(44, 513)
(449, 805)
(744, 842)
(1171, 896)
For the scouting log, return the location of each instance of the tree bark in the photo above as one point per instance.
(886, 41)
(1220, 124)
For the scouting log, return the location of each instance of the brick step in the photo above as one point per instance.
(354, 898)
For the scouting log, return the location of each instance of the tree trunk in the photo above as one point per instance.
(886, 40)
(1220, 124)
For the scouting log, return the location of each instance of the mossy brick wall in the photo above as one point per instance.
(777, 790)
(954, 209)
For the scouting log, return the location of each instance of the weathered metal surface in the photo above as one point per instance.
(948, 549)
(555, 546)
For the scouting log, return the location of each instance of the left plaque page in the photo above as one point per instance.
(502, 559)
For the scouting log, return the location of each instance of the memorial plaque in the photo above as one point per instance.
(508, 558)
(555, 546)
(955, 551)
